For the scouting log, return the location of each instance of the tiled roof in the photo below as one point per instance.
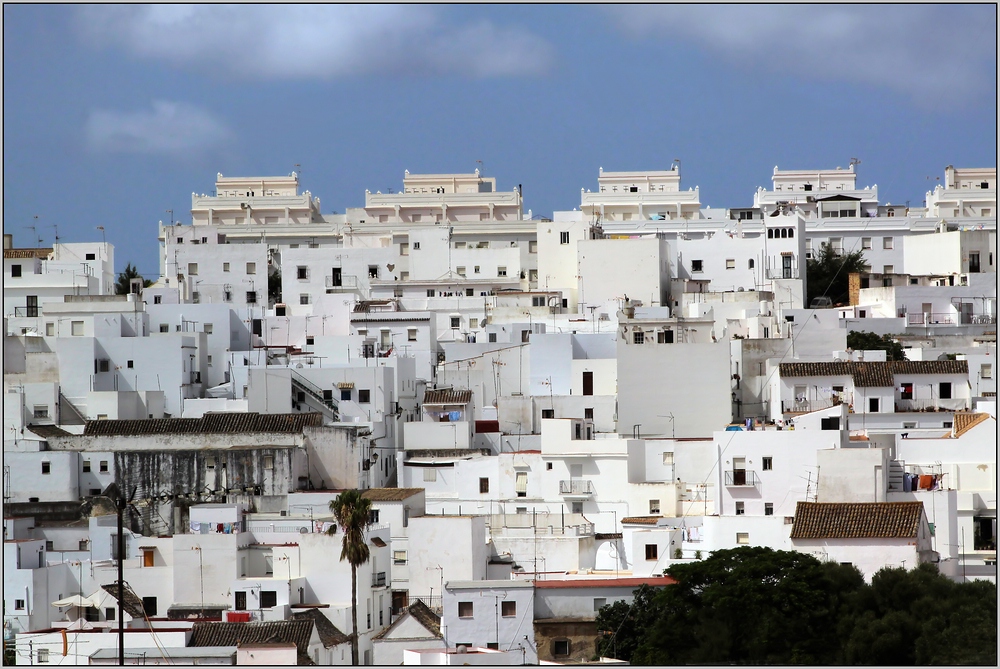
(132, 605)
(328, 632)
(641, 520)
(46, 431)
(212, 423)
(628, 582)
(390, 494)
(857, 520)
(873, 374)
(447, 396)
(965, 421)
(27, 253)
(423, 615)
(296, 631)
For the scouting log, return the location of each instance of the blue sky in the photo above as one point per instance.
(114, 114)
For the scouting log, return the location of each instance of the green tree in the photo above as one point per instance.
(622, 625)
(353, 514)
(274, 286)
(869, 341)
(748, 606)
(827, 273)
(123, 285)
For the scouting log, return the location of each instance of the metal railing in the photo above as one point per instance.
(27, 312)
(343, 282)
(576, 487)
(316, 392)
(922, 318)
(737, 478)
(378, 579)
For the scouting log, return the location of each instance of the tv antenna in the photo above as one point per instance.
(855, 161)
(57, 232)
(34, 230)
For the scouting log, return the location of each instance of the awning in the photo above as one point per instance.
(346, 385)
(76, 600)
(521, 482)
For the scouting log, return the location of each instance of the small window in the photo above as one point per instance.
(492, 337)
(268, 462)
(225, 267)
(164, 327)
(210, 462)
(986, 371)
(416, 246)
(475, 269)
(364, 396)
(508, 609)
(430, 292)
(430, 474)
(740, 508)
(373, 271)
(532, 247)
(149, 606)
(742, 538)
(399, 557)
(638, 337)
(887, 242)
(887, 269)
(43, 655)
(944, 390)
(251, 297)
(268, 599)
(193, 268)
(866, 243)
(76, 328)
(766, 463)
(873, 404)
(251, 268)
(404, 249)
(15, 270)
(560, 648)
(302, 272)
(460, 271)
(768, 508)
(654, 507)
(588, 413)
(484, 485)
(345, 394)
(46, 467)
(600, 603)
(465, 609)
(501, 271)
(651, 551)
(548, 413)
(303, 298)
(564, 237)
(456, 321)
(696, 265)
(730, 263)
(86, 466)
(50, 329)
(103, 467)
(40, 411)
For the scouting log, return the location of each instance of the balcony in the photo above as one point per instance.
(922, 318)
(378, 579)
(27, 312)
(578, 488)
(343, 282)
(742, 478)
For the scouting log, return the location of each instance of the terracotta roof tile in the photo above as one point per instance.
(390, 494)
(210, 423)
(857, 520)
(296, 631)
(447, 396)
(964, 421)
(873, 374)
(27, 253)
(641, 520)
(328, 632)
(132, 605)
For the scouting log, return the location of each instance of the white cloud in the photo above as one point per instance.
(931, 52)
(169, 128)
(315, 41)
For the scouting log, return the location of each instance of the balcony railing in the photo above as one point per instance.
(739, 478)
(921, 318)
(342, 282)
(576, 487)
(26, 312)
(378, 579)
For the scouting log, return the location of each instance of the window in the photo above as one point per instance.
(416, 246)
(46, 467)
(588, 413)
(302, 272)
(548, 413)
(665, 337)
(411, 334)
(345, 394)
(492, 337)
(768, 508)
(50, 329)
(86, 466)
(866, 243)
(149, 606)
(484, 485)
(696, 265)
(364, 396)
(430, 292)
(651, 551)
(767, 463)
(532, 247)
(164, 327)
(268, 599)
(251, 268)
(460, 271)
(564, 237)
(742, 538)
(15, 270)
(521, 484)
(537, 301)
(873, 405)
(465, 609)
(906, 391)
(560, 648)
(501, 271)
(654, 506)
(109, 613)
(944, 390)
(404, 249)
(43, 655)
(730, 263)
(103, 467)
(193, 268)
(430, 474)
(251, 297)
(741, 508)
(456, 321)
(887, 269)
(210, 462)
(76, 328)
(40, 411)
(508, 609)
(986, 371)
(225, 267)
(399, 557)
(303, 298)
(638, 337)
(600, 603)
(887, 242)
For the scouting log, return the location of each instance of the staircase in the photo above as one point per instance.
(327, 404)
(896, 476)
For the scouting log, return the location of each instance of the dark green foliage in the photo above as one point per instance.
(827, 274)
(274, 287)
(760, 606)
(869, 341)
(125, 277)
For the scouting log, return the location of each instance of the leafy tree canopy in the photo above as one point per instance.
(122, 286)
(827, 273)
(869, 341)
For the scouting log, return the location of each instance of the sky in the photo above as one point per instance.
(113, 115)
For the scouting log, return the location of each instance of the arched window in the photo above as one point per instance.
(770, 233)
(791, 233)
(750, 263)
(784, 233)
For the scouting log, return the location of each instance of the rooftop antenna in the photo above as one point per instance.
(34, 230)
(855, 161)
(103, 239)
(57, 232)
(168, 211)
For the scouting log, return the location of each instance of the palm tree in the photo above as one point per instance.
(353, 514)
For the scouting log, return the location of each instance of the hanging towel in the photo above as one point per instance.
(907, 483)
(926, 481)
(195, 527)
(455, 416)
